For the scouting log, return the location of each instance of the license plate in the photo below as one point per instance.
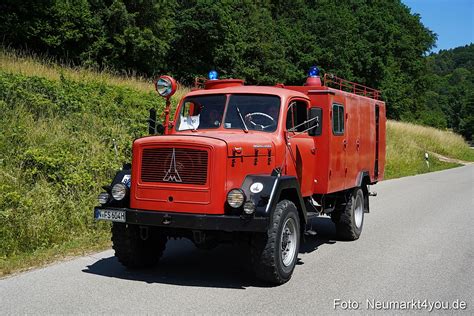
(110, 215)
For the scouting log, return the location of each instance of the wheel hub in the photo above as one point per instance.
(288, 242)
(358, 211)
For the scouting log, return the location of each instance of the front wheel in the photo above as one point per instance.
(350, 218)
(274, 253)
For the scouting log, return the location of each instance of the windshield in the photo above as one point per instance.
(254, 112)
(201, 112)
(244, 111)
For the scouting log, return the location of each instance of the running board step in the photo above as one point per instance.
(310, 233)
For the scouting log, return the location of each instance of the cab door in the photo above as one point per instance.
(300, 154)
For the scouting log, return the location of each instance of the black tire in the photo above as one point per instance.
(134, 252)
(348, 223)
(266, 248)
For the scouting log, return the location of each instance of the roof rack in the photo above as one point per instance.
(199, 83)
(333, 81)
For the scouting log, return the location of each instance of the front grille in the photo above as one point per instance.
(174, 165)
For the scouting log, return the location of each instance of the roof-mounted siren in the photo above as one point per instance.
(213, 81)
(313, 77)
(213, 75)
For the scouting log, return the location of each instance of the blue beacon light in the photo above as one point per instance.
(213, 75)
(313, 72)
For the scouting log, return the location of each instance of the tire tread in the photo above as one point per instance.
(344, 219)
(263, 245)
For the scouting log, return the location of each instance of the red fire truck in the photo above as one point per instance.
(252, 164)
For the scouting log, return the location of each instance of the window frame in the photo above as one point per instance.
(228, 104)
(338, 132)
(291, 110)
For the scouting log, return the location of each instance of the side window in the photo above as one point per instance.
(297, 115)
(190, 109)
(337, 119)
(316, 121)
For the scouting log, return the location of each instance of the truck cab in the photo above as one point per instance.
(251, 164)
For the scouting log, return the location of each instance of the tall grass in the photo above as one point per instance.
(407, 144)
(28, 64)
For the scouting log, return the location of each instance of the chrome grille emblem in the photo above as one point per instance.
(172, 174)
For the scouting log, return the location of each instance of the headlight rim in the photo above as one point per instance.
(254, 207)
(105, 200)
(244, 198)
(124, 189)
(171, 84)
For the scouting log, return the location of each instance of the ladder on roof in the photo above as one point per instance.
(333, 81)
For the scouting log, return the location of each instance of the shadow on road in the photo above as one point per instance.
(226, 266)
(326, 235)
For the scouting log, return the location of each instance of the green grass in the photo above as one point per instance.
(56, 138)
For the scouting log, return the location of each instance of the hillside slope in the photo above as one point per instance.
(58, 127)
(407, 144)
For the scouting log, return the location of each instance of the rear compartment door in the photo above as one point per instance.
(338, 146)
(352, 135)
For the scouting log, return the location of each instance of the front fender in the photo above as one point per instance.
(271, 190)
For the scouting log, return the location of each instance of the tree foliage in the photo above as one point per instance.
(377, 43)
(451, 88)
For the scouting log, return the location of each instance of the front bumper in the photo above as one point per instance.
(191, 221)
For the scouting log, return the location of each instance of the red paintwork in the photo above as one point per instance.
(323, 164)
(223, 83)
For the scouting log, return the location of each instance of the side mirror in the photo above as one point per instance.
(152, 122)
(315, 124)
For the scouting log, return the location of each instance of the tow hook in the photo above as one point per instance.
(144, 232)
(166, 219)
(199, 237)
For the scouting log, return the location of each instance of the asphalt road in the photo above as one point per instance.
(417, 245)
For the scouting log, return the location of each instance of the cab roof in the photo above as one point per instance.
(281, 92)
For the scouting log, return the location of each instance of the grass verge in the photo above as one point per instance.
(80, 246)
(407, 144)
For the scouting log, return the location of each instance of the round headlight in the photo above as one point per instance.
(249, 207)
(103, 198)
(235, 198)
(119, 191)
(165, 86)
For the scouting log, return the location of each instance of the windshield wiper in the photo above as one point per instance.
(242, 120)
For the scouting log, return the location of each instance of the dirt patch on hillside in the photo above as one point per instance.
(452, 160)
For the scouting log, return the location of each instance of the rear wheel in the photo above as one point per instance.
(135, 250)
(274, 253)
(349, 219)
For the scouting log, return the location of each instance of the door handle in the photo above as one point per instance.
(344, 142)
(358, 144)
